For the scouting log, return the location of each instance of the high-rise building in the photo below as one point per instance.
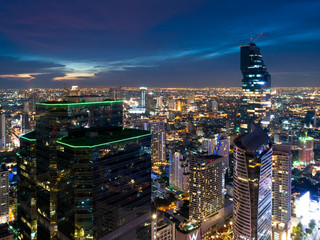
(256, 88)
(55, 120)
(252, 182)
(3, 130)
(27, 186)
(281, 191)
(179, 171)
(143, 91)
(306, 150)
(206, 186)
(105, 184)
(4, 194)
(158, 140)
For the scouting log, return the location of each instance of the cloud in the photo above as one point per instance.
(20, 76)
(75, 76)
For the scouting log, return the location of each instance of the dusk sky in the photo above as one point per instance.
(155, 43)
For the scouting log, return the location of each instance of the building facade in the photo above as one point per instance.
(4, 194)
(281, 189)
(55, 120)
(252, 186)
(256, 88)
(27, 187)
(105, 184)
(306, 150)
(206, 186)
(179, 171)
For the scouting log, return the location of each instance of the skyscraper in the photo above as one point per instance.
(281, 191)
(3, 130)
(158, 140)
(4, 194)
(256, 88)
(55, 120)
(105, 184)
(252, 186)
(143, 91)
(27, 186)
(206, 186)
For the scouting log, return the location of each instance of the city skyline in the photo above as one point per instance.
(163, 44)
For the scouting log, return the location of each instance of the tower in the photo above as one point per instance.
(143, 91)
(281, 190)
(252, 186)
(206, 186)
(256, 88)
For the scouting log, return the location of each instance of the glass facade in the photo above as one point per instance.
(54, 120)
(252, 186)
(105, 185)
(26, 195)
(256, 87)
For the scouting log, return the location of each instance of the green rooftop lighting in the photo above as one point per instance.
(24, 137)
(56, 104)
(60, 141)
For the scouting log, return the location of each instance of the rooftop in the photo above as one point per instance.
(92, 138)
(29, 136)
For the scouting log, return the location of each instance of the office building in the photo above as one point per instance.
(4, 194)
(105, 184)
(27, 187)
(306, 150)
(206, 186)
(252, 182)
(256, 88)
(281, 190)
(55, 120)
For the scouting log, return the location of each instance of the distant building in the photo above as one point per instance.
(143, 91)
(281, 190)
(206, 186)
(158, 140)
(179, 171)
(4, 194)
(252, 195)
(256, 88)
(3, 131)
(306, 150)
(310, 119)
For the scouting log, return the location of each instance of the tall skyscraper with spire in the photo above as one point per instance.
(256, 87)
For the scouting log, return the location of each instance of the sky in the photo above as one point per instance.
(155, 43)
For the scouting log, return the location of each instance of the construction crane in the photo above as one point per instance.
(259, 35)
